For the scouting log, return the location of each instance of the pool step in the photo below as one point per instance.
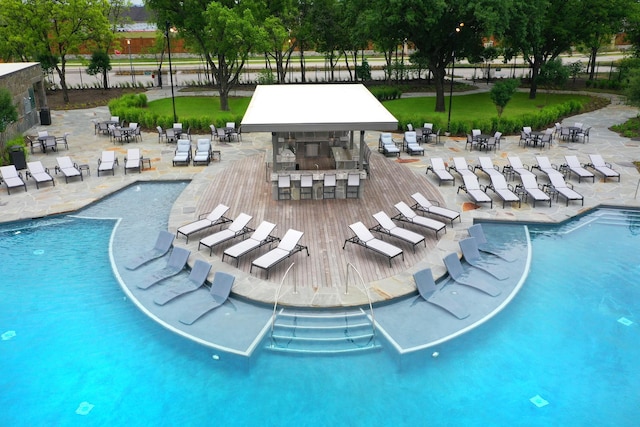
(630, 218)
(322, 332)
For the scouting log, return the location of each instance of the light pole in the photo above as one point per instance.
(453, 68)
(133, 77)
(173, 99)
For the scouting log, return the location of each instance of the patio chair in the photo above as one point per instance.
(533, 190)
(183, 153)
(476, 231)
(364, 238)
(559, 187)
(12, 178)
(408, 215)
(583, 135)
(117, 135)
(196, 279)
(329, 186)
(525, 139)
(39, 173)
(411, 145)
(606, 169)
(133, 160)
(219, 292)
(107, 162)
(161, 134)
(467, 278)
(486, 165)
(440, 170)
(435, 137)
(427, 206)
(516, 166)
(545, 166)
(574, 166)
(505, 191)
(68, 168)
(387, 146)
(461, 167)
(388, 227)
(430, 292)
(62, 140)
(223, 135)
(472, 142)
(473, 188)
(472, 255)
(237, 228)
(203, 152)
(214, 132)
(215, 217)
(164, 242)
(170, 135)
(288, 246)
(175, 264)
(260, 237)
(565, 133)
(103, 128)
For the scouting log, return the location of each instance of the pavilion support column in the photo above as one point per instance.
(274, 148)
(361, 157)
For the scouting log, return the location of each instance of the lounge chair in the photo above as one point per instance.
(196, 279)
(505, 191)
(261, 236)
(516, 166)
(364, 238)
(533, 190)
(164, 242)
(388, 227)
(203, 152)
(288, 246)
(546, 167)
(472, 255)
(425, 205)
(220, 290)
(237, 228)
(215, 217)
(477, 232)
(559, 187)
(133, 160)
(408, 215)
(176, 263)
(39, 173)
(182, 154)
(461, 167)
(463, 277)
(603, 167)
(12, 178)
(68, 168)
(438, 168)
(430, 292)
(387, 146)
(486, 165)
(107, 162)
(411, 145)
(573, 164)
(473, 188)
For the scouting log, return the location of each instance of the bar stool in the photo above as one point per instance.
(353, 185)
(329, 187)
(284, 187)
(306, 186)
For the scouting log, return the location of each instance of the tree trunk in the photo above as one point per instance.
(303, 77)
(105, 81)
(438, 80)
(535, 70)
(592, 62)
(63, 79)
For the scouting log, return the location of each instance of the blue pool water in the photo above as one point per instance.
(78, 340)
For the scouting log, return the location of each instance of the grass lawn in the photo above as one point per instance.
(196, 106)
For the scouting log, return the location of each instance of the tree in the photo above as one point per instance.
(100, 64)
(553, 74)
(501, 93)
(280, 24)
(8, 112)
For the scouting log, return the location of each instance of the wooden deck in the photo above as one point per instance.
(325, 223)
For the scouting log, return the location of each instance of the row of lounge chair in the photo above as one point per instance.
(184, 153)
(410, 144)
(41, 175)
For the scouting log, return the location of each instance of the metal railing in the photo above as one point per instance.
(366, 292)
(275, 302)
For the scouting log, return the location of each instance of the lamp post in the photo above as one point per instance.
(453, 68)
(173, 99)
(133, 77)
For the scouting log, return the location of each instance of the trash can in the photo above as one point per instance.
(17, 157)
(45, 116)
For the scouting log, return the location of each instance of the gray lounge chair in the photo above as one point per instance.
(107, 162)
(68, 168)
(473, 188)
(387, 146)
(203, 152)
(486, 165)
(215, 217)
(545, 166)
(427, 206)
(430, 292)
(196, 278)
(476, 231)
(220, 290)
(472, 255)
(461, 167)
(237, 228)
(387, 226)
(161, 247)
(462, 277)
(39, 173)
(408, 215)
(559, 187)
(598, 163)
(133, 160)
(176, 263)
(438, 168)
(505, 191)
(288, 246)
(12, 178)
(516, 166)
(261, 236)
(531, 186)
(574, 166)
(364, 238)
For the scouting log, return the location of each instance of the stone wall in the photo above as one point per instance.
(25, 83)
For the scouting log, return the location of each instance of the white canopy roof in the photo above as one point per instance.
(339, 107)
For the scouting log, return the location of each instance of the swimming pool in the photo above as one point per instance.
(79, 343)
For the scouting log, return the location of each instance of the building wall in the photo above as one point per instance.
(27, 90)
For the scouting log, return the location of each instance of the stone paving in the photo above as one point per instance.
(85, 148)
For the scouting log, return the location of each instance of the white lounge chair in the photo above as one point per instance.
(220, 290)
(261, 236)
(237, 228)
(473, 188)
(215, 217)
(430, 292)
(598, 163)
(203, 152)
(107, 162)
(559, 187)
(486, 165)
(388, 227)
(472, 255)
(438, 168)
(164, 242)
(68, 168)
(39, 173)
(461, 167)
(411, 144)
(574, 166)
(545, 166)
(387, 146)
(463, 277)
(427, 206)
(183, 153)
(288, 246)
(516, 166)
(505, 191)
(12, 178)
(364, 238)
(533, 190)
(408, 215)
(176, 263)
(133, 160)
(196, 279)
